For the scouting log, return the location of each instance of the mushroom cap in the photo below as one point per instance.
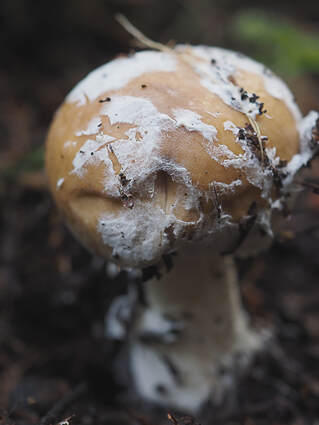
(157, 150)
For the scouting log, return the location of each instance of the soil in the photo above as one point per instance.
(55, 363)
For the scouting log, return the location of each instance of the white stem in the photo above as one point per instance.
(191, 339)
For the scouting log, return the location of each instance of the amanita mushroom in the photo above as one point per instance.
(187, 151)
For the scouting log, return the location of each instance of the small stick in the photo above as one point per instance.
(126, 24)
(217, 202)
(255, 126)
(172, 419)
(244, 229)
(64, 403)
(313, 186)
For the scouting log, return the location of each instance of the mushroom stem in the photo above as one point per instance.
(191, 339)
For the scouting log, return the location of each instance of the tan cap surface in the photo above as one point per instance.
(155, 149)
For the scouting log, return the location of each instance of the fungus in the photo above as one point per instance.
(193, 166)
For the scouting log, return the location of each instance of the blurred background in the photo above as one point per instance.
(53, 294)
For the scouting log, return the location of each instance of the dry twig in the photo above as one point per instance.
(63, 404)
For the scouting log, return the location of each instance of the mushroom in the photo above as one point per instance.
(179, 160)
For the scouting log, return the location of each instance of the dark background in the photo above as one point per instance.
(54, 294)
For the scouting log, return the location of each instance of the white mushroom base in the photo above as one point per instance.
(191, 340)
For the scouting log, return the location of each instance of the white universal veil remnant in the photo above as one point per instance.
(188, 151)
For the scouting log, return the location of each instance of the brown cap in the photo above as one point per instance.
(155, 150)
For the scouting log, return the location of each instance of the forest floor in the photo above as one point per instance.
(55, 363)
